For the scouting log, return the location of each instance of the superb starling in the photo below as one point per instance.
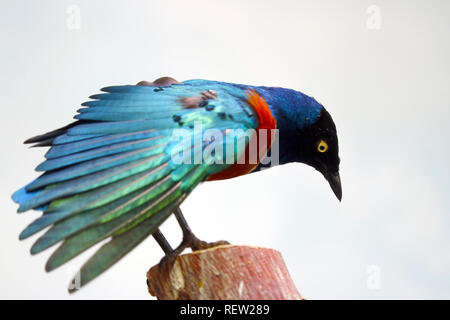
(135, 152)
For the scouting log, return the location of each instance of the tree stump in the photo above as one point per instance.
(225, 273)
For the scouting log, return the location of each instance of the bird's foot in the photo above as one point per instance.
(196, 244)
(189, 237)
(189, 241)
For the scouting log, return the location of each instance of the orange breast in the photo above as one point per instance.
(267, 122)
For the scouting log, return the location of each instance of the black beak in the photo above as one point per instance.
(335, 183)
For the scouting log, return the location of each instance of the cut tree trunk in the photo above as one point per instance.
(225, 273)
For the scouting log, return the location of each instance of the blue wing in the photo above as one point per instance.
(112, 173)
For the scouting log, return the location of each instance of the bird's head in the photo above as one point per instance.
(318, 147)
(307, 133)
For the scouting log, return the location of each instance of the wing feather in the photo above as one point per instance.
(111, 173)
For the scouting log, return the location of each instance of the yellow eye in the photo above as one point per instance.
(322, 146)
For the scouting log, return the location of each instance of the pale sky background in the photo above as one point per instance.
(387, 90)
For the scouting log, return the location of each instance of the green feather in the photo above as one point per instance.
(116, 178)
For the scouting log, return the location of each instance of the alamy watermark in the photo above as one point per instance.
(213, 146)
(373, 281)
(73, 20)
(75, 283)
(373, 21)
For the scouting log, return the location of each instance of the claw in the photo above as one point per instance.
(189, 241)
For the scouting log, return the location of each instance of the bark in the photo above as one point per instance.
(225, 273)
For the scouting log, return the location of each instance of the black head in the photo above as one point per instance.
(318, 147)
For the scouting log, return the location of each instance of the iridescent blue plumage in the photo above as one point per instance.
(112, 174)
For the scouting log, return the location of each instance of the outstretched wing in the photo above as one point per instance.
(112, 173)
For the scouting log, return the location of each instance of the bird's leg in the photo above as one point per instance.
(162, 241)
(189, 238)
(189, 241)
(171, 254)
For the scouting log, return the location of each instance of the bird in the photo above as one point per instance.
(135, 152)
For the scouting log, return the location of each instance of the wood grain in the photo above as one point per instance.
(225, 273)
